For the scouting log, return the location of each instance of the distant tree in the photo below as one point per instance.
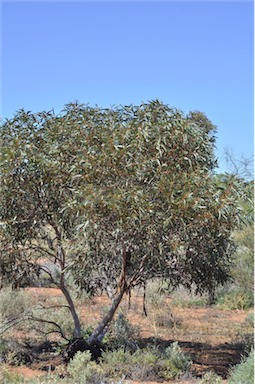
(242, 269)
(114, 197)
(244, 238)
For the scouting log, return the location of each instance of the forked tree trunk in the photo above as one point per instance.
(100, 331)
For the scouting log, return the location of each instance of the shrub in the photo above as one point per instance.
(123, 334)
(235, 299)
(12, 303)
(146, 364)
(83, 370)
(185, 299)
(155, 294)
(166, 319)
(244, 372)
(116, 363)
(211, 378)
(7, 376)
(249, 320)
(177, 362)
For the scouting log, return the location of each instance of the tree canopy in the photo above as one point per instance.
(115, 197)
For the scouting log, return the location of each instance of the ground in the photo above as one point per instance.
(212, 337)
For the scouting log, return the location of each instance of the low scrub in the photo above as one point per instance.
(82, 370)
(13, 303)
(237, 298)
(146, 364)
(211, 378)
(123, 334)
(185, 299)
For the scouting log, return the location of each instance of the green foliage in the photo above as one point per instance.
(7, 376)
(243, 265)
(123, 334)
(13, 304)
(146, 364)
(211, 378)
(82, 369)
(187, 299)
(177, 362)
(114, 195)
(237, 298)
(116, 363)
(244, 372)
(154, 295)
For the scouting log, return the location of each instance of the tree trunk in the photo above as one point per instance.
(77, 324)
(100, 331)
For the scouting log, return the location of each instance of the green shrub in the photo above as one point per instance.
(185, 299)
(146, 364)
(141, 365)
(235, 299)
(82, 370)
(211, 378)
(116, 363)
(177, 363)
(9, 377)
(244, 372)
(154, 295)
(13, 303)
(123, 334)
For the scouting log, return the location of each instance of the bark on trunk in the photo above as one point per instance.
(100, 331)
(98, 334)
(77, 324)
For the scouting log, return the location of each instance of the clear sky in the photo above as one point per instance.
(193, 55)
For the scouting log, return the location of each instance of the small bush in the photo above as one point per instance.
(244, 372)
(123, 334)
(116, 363)
(7, 376)
(177, 362)
(235, 299)
(12, 303)
(8, 350)
(154, 295)
(185, 299)
(211, 378)
(83, 370)
(166, 319)
(146, 364)
(141, 365)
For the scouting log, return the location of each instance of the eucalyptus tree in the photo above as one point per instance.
(114, 197)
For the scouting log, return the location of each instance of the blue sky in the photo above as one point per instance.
(193, 55)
